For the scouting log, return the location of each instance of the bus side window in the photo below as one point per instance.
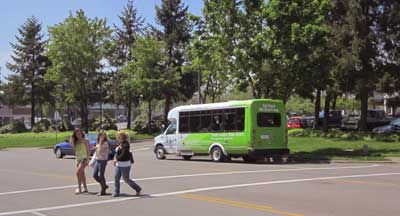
(239, 120)
(183, 123)
(205, 121)
(214, 125)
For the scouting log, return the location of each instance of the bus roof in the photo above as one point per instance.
(229, 104)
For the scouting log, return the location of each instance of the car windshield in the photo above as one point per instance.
(395, 122)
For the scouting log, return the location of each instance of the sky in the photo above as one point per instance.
(49, 12)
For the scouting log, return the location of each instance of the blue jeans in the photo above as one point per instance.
(98, 173)
(124, 171)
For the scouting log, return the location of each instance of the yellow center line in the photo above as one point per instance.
(366, 182)
(238, 204)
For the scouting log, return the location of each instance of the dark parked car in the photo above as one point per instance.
(375, 118)
(307, 121)
(335, 118)
(65, 148)
(393, 127)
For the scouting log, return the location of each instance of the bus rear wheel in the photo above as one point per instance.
(187, 157)
(217, 155)
(249, 159)
(160, 152)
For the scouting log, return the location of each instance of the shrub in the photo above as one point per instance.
(111, 134)
(14, 127)
(141, 125)
(65, 126)
(41, 126)
(107, 123)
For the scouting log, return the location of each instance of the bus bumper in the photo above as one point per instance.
(269, 152)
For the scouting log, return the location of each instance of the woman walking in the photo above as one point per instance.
(101, 157)
(122, 163)
(80, 146)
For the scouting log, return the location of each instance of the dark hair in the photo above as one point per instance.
(98, 136)
(74, 137)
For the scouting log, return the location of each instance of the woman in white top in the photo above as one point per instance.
(102, 151)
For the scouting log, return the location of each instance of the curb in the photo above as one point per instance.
(354, 161)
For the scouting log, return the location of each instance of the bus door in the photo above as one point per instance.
(171, 138)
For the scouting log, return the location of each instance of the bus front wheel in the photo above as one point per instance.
(160, 152)
(217, 154)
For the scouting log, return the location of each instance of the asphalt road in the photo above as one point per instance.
(34, 182)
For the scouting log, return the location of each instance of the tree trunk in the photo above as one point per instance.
(167, 106)
(68, 114)
(32, 105)
(149, 120)
(129, 113)
(84, 117)
(364, 109)
(317, 108)
(334, 101)
(326, 113)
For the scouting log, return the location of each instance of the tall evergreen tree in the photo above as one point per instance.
(29, 64)
(356, 30)
(121, 54)
(173, 17)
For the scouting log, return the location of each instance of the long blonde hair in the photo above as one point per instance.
(122, 136)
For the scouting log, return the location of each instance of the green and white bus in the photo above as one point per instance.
(251, 129)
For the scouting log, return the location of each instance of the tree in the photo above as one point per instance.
(76, 49)
(300, 48)
(173, 17)
(29, 65)
(390, 38)
(356, 30)
(236, 27)
(149, 68)
(121, 54)
(205, 59)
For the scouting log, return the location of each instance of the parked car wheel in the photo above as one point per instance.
(59, 153)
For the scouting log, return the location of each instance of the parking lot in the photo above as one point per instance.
(34, 182)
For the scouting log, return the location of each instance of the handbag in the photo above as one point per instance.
(131, 158)
(93, 160)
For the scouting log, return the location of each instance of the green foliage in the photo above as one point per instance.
(298, 104)
(76, 48)
(346, 136)
(14, 127)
